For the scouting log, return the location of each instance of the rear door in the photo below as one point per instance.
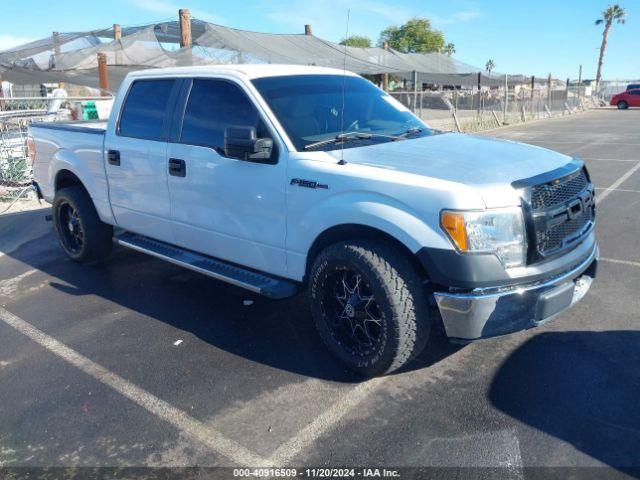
(634, 98)
(136, 162)
(225, 207)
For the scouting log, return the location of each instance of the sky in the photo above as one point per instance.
(536, 38)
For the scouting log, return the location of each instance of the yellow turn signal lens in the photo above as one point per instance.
(453, 224)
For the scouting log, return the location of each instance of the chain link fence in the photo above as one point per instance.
(473, 109)
(15, 168)
(463, 110)
(16, 113)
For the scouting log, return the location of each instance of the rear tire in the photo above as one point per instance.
(83, 237)
(369, 306)
(622, 105)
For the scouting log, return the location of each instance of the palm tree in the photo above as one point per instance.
(612, 13)
(490, 65)
(449, 49)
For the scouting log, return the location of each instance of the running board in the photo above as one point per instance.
(256, 282)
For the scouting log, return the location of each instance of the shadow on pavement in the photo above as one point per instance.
(581, 387)
(280, 334)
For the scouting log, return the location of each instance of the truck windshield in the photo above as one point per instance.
(309, 108)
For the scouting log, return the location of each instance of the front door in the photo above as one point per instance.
(136, 162)
(225, 207)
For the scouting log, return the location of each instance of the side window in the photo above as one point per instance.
(145, 109)
(212, 107)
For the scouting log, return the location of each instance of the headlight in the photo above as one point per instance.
(499, 231)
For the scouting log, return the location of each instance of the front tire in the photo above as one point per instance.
(623, 105)
(369, 306)
(83, 237)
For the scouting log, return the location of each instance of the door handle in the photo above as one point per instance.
(113, 157)
(177, 167)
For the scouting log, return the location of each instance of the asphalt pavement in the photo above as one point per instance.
(136, 362)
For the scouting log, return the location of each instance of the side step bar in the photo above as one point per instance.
(256, 282)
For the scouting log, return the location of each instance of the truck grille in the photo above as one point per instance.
(563, 211)
(552, 194)
(554, 238)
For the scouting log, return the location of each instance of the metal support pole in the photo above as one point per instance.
(506, 98)
(549, 80)
(533, 86)
(385, 76)
(479, 89)
(1, 94)
(103, 74)
(308, 30)
(185, 27)
(415, 92)
(455, 120)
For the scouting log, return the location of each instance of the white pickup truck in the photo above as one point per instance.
(283, 178)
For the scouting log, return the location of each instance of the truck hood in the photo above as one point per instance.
(486, 164)
(468, 159)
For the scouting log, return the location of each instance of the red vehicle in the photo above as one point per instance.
(624, 100)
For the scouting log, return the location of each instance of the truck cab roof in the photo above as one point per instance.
(250, 71)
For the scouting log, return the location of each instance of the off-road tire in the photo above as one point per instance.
(97, 236)
(398, 291)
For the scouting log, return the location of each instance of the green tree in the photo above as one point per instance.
(490, 65)
(612, 13)
(356, 41)
(416, 35)
(449, 49)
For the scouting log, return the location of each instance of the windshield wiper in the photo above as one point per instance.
(342, 137)
(409, 133)
(349, 137)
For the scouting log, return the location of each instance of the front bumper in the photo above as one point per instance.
(491, 312)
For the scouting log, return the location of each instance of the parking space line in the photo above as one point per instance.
(621, 262)
(181, 420)
(609, 159)
(617, 183)
(620, 190)
(10, 286)
(589, 144)
(324, 422)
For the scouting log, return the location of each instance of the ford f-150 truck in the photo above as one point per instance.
(281, 179)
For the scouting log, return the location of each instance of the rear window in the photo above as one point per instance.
(145, 109)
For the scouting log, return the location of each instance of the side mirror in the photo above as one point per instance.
(242, 143)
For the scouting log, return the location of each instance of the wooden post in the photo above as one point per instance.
(385, 76)
(308, 30)
(117, 36)
(185, 27)
(56, 43)
(103, 74)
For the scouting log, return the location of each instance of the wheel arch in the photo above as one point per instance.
(66, 178)
(354, 231)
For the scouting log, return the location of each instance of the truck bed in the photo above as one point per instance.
(96, 127)
(75, 147)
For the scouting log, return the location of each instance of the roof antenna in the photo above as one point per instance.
(344, 81)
